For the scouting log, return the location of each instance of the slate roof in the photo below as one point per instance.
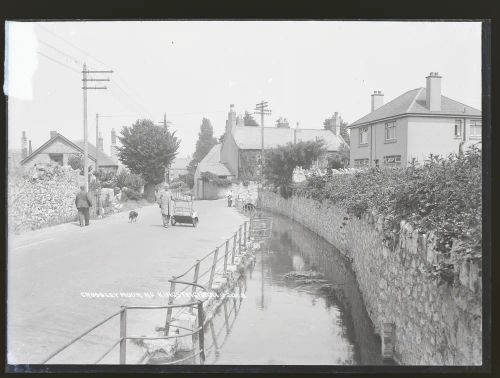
(211, 163)
(414, 102)
(249, 138)
(103, 159)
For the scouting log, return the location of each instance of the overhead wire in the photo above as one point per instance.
(58, 62)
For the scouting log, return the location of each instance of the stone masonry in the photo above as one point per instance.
(435, 323)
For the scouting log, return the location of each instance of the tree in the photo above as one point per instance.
(75, 161)
(146, 150)
(282, 123)
(344, 132)
(248, 120)
(206, 141)
(282, 160)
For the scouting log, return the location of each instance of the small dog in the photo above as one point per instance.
(132, 216)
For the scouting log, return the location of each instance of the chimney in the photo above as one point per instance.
(24, 148)
(433, 92)
(100, 142)
(30, 151)
(53, 134)
(377, 100)
(231, 118)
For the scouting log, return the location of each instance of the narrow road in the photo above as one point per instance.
(49, 269)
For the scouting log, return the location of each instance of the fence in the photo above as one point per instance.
(202, 279)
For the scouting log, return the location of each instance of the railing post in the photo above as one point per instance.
(169, 310)
(239, 240)
(234, 248)
(212, 272)
(123, 335)
(201, 335)
(195, 281)
(225, 256)
(245, 233)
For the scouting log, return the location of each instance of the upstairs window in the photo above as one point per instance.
(390, 130)
(475, 128)
(458, 128)
(363, 135)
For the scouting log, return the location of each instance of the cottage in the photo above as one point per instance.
(58, 149)
(241, 148)
(413, 126)
(211, 163)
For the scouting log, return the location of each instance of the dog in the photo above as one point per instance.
(132, 216)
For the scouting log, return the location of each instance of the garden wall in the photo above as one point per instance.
(436, 323)
(44, 200)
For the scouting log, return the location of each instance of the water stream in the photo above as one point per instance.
(279, 321)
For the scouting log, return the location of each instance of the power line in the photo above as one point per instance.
(58, 62)
(74, 46)
(61, 52)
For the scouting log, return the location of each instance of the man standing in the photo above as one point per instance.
(229, 196)
(165, 201)
(83, 202)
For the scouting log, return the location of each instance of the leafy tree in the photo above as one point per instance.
(146, 150)
(282, 160)
(76, 162)
(206, 140)
(248, 120)
(282, 123)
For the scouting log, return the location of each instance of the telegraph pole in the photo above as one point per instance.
(166, 174)
(261, 108)
(96, 139)
(85, 87)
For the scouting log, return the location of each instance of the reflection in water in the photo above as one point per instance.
(287, 322)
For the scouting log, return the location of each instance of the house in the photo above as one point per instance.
(241, 148)
(210, 163)
(413, 126)
(58, 149)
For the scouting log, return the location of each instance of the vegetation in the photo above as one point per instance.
(210, 177)
(282, 160)
(204, 144)
(146, 150)
(248, 120)
(441, 197)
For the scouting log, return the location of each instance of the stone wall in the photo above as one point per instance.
(435, 323)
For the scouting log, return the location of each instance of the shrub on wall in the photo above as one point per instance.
(442, 196)
(42, 198)
(220, 182)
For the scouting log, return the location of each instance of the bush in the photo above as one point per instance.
(126, 179)
(107, 179)
(220, 182)
(130, 194)
(443, 197)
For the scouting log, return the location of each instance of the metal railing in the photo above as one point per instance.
(218, 259)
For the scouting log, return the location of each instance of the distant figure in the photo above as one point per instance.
(83, 203)
(165, 202)
(229, 196)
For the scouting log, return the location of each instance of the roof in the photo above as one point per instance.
(211, 163)
(249, 138)
(414, 102)
(103, 159)
(180, 163)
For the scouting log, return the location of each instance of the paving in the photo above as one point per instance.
(53, 272)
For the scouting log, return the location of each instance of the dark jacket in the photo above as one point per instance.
(83, 200)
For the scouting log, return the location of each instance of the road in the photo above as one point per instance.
(49, 269)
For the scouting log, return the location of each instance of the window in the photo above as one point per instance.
(392, 161)
(56, 158)
(360, 163)
(363, 135)
(475, 129)
(458, 128)
(390, 130)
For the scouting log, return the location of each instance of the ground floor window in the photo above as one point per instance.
(475, 129)
(360, 163)
(392, 161)
(56, 158)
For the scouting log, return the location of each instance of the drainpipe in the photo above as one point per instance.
(371, 146)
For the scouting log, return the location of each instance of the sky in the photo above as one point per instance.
(305, 70)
